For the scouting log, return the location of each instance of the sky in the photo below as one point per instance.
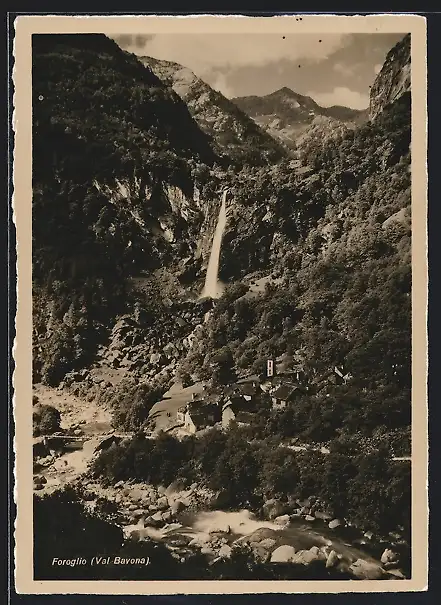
(333, 69)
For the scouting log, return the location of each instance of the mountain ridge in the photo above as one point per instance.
(286, 114)
(220, 118)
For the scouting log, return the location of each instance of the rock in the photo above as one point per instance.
(274, 508)
(175, 487)
(305, 557)
(324, 516)
(332, 559)
(369, 535)
(283, 554)
(389, 556)
(177, 506)
(282, 520)
(207, 550)
(167, 516)
(161, 490)
(119, 484)
(132, 507)
(334, 523)
(225, 551)
(139, 512)
(106, 443)
(309, 518)
(267, 543)
(396, 573)
(162, 503)
(366, 570)
(156, 520)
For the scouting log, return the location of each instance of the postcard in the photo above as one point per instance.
(220, 379)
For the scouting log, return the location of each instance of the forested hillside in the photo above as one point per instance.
(115, 152)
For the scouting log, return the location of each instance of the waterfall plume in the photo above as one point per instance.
(213, 288)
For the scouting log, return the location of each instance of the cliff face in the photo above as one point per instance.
(394, 78)
(233, 133)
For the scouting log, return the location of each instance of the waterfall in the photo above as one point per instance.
(213, 287)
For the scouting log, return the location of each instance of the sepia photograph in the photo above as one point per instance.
(222, 295)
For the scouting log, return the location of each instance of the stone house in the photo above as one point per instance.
(198, 414)
(237, 409)
(284, 394)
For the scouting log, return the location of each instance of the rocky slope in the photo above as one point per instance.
(286, 114)
(233, 133)
(394, 79)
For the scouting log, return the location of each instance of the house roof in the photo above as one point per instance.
(284, 391)
(237, 404)
(203, 414)
(248, 388)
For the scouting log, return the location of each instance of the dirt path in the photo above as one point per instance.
(74, 410)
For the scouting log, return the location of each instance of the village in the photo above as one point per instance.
(238, 402)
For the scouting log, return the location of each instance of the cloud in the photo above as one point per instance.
(341, 96)
(203, 52)
(221, 85)
(344, 70)
(133, 42)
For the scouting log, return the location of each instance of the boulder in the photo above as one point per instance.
(369, 535)
(309, 518)
(119, 484)
(389, 556)
(267, 543)
(175, 487)
(156, 520)
(396, 573)
(225, 551)
(207, 550)
(162, 503)
(283, 554)
(274, 508)
(305, 557)
(177, 506)
(324, 516)
(334, 523)
(106, 443)
(332, 559)
(161, 490)
(366, 570)
(282, 520)
(167, 516)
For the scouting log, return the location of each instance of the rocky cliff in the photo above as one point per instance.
(233, 133)
(394, 79)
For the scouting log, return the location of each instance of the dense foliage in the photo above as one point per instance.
(46, 420)
(365, 487)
